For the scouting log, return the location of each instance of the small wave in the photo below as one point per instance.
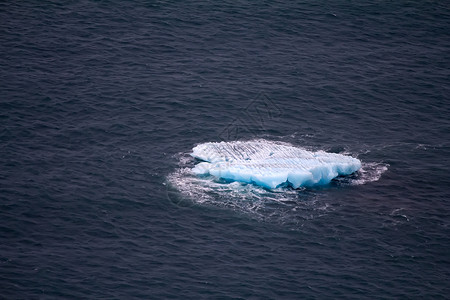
(369, 172)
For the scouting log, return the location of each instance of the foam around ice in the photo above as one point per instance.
(271, 164)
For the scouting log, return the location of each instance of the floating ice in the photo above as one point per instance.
(270, 164)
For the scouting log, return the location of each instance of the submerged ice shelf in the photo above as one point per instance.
(270, 164)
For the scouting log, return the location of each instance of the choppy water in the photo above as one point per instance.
(101, 103)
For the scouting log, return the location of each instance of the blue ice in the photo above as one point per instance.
(270, 164)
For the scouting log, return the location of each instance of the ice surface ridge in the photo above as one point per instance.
(270, 164)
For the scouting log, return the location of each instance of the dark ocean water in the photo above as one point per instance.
(101, 102)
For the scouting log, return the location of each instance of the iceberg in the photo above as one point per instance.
(270, 164)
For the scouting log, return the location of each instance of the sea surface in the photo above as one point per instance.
(101, 103)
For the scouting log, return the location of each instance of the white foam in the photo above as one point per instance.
(369, 172)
